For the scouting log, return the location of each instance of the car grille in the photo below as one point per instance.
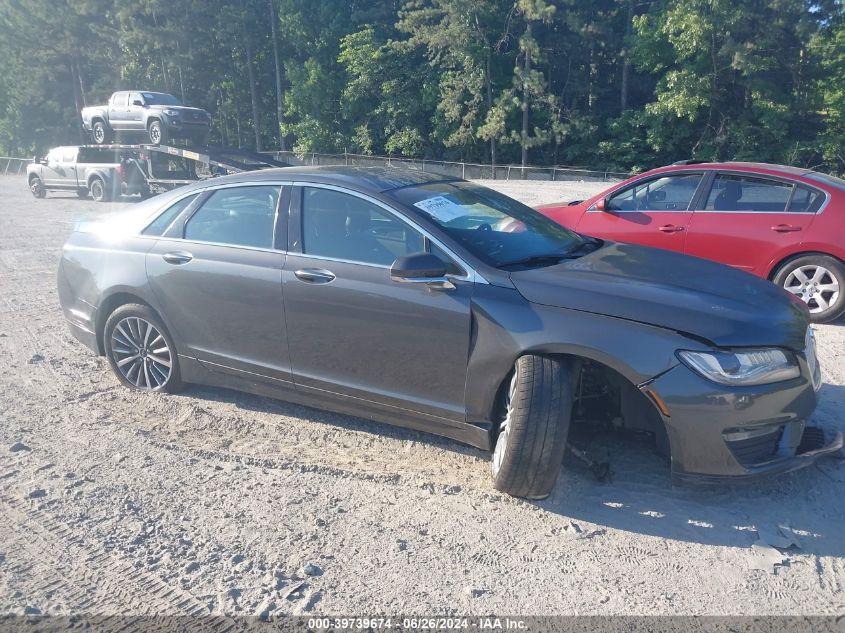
(757, 448)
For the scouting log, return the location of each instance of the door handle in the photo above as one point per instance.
(670, 228)
(315, 275)
(785, 228)
(177, 257)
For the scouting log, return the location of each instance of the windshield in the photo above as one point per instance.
(160, 98)
(495, 228)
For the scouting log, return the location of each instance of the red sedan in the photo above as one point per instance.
(782, 223)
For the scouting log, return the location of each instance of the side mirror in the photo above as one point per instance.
(602, 205)
(138, 102)
(421, 268)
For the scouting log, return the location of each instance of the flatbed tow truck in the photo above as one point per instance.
(165, 167)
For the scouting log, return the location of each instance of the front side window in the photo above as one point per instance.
(160, 224)
(236, 216)
(669, 193)
(747, 193)
(160, 98)
(342, 226)
(498, 230)
(69, 154)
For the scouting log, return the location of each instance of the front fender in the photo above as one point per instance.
(506, 326)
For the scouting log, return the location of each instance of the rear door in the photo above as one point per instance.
(219, 275)
(653, 211)
(746, 220)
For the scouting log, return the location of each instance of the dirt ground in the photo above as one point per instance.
(211, 501)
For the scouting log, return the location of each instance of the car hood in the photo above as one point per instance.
(184, 110)
(727, 307)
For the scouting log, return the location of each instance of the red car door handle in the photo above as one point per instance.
(670, 228)
(786, 228)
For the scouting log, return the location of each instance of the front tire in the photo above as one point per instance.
(140, 350)
(156, 133)
(532, 435)
(36, 187)
(819, 280)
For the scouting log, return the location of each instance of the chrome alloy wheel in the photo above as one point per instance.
(140, 353)
(505, 424)
(816, 286)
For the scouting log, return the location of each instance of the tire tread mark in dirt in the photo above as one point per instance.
(95, 573)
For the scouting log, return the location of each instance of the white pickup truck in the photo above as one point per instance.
(89, 171)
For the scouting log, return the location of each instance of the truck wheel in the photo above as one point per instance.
(37, 187)
(534, 425)
(100, 133)
(98, 190)
(156, 133)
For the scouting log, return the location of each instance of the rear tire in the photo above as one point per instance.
(36, 187)
(98, 190)
(140, 350)
(100, 133)
(819, 280)
(535, 421)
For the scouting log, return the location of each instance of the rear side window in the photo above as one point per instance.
(669, 193)
(236, 216)
(805, 200)
(119, 99)
(160, 224)
(747, 193)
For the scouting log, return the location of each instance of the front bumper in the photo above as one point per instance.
(717, 432)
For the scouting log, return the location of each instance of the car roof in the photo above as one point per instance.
(362, 179)
(768, 168)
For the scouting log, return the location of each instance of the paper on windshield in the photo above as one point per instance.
(441, 208)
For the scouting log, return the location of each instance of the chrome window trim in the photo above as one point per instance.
(472, 274)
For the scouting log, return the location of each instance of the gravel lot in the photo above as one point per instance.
(217, 502)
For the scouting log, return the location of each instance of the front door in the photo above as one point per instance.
(653, 212)
(748, 222)
(352, 330)
(220, 280)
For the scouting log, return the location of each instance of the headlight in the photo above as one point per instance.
(172, 112)
(748, 367)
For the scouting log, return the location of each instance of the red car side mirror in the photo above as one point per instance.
(601, 205)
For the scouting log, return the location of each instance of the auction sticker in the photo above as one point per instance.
(441, 208)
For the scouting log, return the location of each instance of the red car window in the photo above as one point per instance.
(746, 193)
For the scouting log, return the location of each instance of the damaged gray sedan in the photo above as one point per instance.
(439, 305)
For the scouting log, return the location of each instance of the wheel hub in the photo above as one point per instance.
(141, 353)
(816, 285)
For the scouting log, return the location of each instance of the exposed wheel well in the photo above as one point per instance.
(109, 305)
(152, 120)
(604, 401)
(774, 271)
(33, 177)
